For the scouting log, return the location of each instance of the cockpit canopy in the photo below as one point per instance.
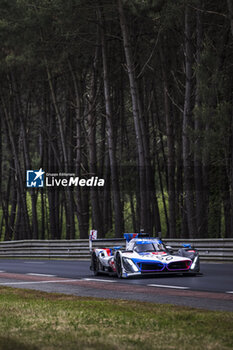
(145, 246)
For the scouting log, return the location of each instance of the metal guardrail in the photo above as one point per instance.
(214, 250)
(48, 249)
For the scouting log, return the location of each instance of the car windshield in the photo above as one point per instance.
(145, 247)
(149, 247)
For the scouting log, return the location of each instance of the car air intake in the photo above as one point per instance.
(151, 267)
(179, 265)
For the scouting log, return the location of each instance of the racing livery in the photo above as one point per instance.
(144, 255)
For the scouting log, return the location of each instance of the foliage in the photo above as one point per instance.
(54, 116)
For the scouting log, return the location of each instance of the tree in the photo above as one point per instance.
(187, 124)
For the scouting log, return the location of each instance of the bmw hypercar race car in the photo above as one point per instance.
(144, 255)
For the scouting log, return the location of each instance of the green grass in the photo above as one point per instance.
(31, 320)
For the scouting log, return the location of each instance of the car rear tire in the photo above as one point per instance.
(95, 264)
(118, 265)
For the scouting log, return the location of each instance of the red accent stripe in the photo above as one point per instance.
(108, 251)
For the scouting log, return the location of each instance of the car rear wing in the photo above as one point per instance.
(129, 236)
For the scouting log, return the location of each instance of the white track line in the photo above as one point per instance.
(97, 280)
(34, 262)
(39, 274)
(230, 292)
(166, 286)
(2, 271)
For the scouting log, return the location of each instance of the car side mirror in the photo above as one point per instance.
(170, 249)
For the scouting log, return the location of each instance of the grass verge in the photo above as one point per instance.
(33, 320)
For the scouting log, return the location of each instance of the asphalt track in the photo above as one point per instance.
(212, 290)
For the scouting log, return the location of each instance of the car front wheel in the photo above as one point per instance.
(118, 266)
(95, 264)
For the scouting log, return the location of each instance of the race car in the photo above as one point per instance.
(144, 255)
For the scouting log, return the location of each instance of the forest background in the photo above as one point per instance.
(137, 92)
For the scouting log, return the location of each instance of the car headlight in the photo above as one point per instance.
(129, 265)
(194, 263)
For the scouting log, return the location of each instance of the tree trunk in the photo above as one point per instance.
(201, 212)
(230, 9)
(53, 193)
(137, 120)
(187, 124)
(20, 110)
(97, 216)
(18, 173)
(69, 199)
(119, 225)
(170, 150)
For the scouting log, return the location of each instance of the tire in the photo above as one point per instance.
(118, 264)
(94, 264)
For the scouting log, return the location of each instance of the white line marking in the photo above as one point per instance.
(37, 282)
(230, 292)
(166, 286)
(2, 271)
(97, 280)
(40, 274)
(34, 262)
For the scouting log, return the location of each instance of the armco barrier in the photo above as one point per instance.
(49, 249)
(214, 250)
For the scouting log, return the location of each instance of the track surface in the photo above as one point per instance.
(213, 290)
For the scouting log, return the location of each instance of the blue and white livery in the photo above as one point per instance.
(144, 255)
